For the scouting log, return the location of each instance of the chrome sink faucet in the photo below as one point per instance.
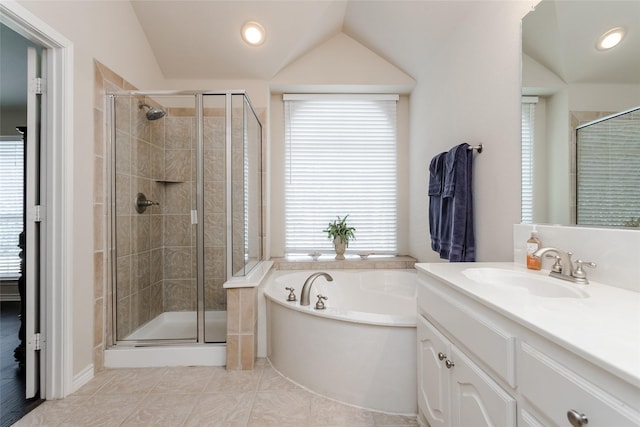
(306, 289)
(566, 271)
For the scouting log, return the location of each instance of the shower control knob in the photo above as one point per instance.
(142, 203)
(442, 356)
(292, 296)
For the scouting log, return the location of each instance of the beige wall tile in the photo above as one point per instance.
(180, 295)
(247, 352)
(248, 306)
(98, 274)
(233, 312)
(98, 321)
(233, 352)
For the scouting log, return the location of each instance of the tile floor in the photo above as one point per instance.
(201, 396)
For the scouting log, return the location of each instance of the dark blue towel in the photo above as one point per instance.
(454, 234)
(435, 197)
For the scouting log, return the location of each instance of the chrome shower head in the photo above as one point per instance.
(152, 113)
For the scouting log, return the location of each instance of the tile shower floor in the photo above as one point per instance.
(200, 396)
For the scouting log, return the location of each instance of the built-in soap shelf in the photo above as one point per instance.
(168, 181)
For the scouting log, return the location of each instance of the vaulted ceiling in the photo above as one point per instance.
(201, 39)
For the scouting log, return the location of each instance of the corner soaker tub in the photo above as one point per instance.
(361, 349)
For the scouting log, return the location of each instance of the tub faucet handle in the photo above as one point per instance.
(292, 296)
(320, 304)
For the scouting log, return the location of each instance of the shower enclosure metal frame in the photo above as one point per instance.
(200, 200)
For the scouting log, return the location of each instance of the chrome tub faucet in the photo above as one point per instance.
(306, 289)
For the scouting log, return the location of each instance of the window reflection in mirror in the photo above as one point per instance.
(608, 171)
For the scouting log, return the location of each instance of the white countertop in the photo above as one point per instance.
(603, 328)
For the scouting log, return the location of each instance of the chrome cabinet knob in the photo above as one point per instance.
(449, 364)
(577, 419)
(442, 356)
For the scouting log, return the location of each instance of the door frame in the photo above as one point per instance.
(57, 123)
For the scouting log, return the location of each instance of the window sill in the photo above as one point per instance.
(353, 262)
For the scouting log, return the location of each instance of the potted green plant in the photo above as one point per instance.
(340, 233)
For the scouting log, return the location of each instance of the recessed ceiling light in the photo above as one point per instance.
(610, 39)
(253, 33)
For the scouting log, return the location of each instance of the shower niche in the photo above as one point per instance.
(185, 211)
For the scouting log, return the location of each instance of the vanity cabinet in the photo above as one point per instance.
(453, 390)
(561, 394)
(478, 366)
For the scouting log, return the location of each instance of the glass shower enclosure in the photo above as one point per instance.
(185, 174)
(608, 171)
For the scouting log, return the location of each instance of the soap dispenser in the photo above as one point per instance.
(533, 244)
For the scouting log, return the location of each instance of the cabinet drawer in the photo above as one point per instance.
(492, 345)
(554, 390)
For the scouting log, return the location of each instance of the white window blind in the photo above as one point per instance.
(340, 160)
(528, 125)
(608, 171)
(11, 199)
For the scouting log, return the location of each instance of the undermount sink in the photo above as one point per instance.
(510, 280)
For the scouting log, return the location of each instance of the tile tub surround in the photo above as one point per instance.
(242, 317)
(242, 326)
(327, 262)
(201, 396)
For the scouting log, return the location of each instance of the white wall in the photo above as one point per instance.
(107, 31)
(469, 91)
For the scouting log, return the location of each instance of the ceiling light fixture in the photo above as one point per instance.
(253, 33)
(610, 39)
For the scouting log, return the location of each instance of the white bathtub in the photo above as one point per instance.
(361, 349)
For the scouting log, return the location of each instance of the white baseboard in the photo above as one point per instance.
(82, 378)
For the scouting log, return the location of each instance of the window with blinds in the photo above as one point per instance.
(340, 160)
(11, 200)
(528, 125)
(608, 171)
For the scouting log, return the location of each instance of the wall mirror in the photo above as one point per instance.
(571, 82)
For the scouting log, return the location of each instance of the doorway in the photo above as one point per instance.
(20, 225)
(53, 261)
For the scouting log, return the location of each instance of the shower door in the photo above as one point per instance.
(154, 172)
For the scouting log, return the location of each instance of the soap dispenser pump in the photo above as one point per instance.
(533, 244)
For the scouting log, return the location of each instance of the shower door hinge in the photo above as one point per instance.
(35, 213)
(38, 86)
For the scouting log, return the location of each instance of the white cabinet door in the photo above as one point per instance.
(433, 376)
(476, 399)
